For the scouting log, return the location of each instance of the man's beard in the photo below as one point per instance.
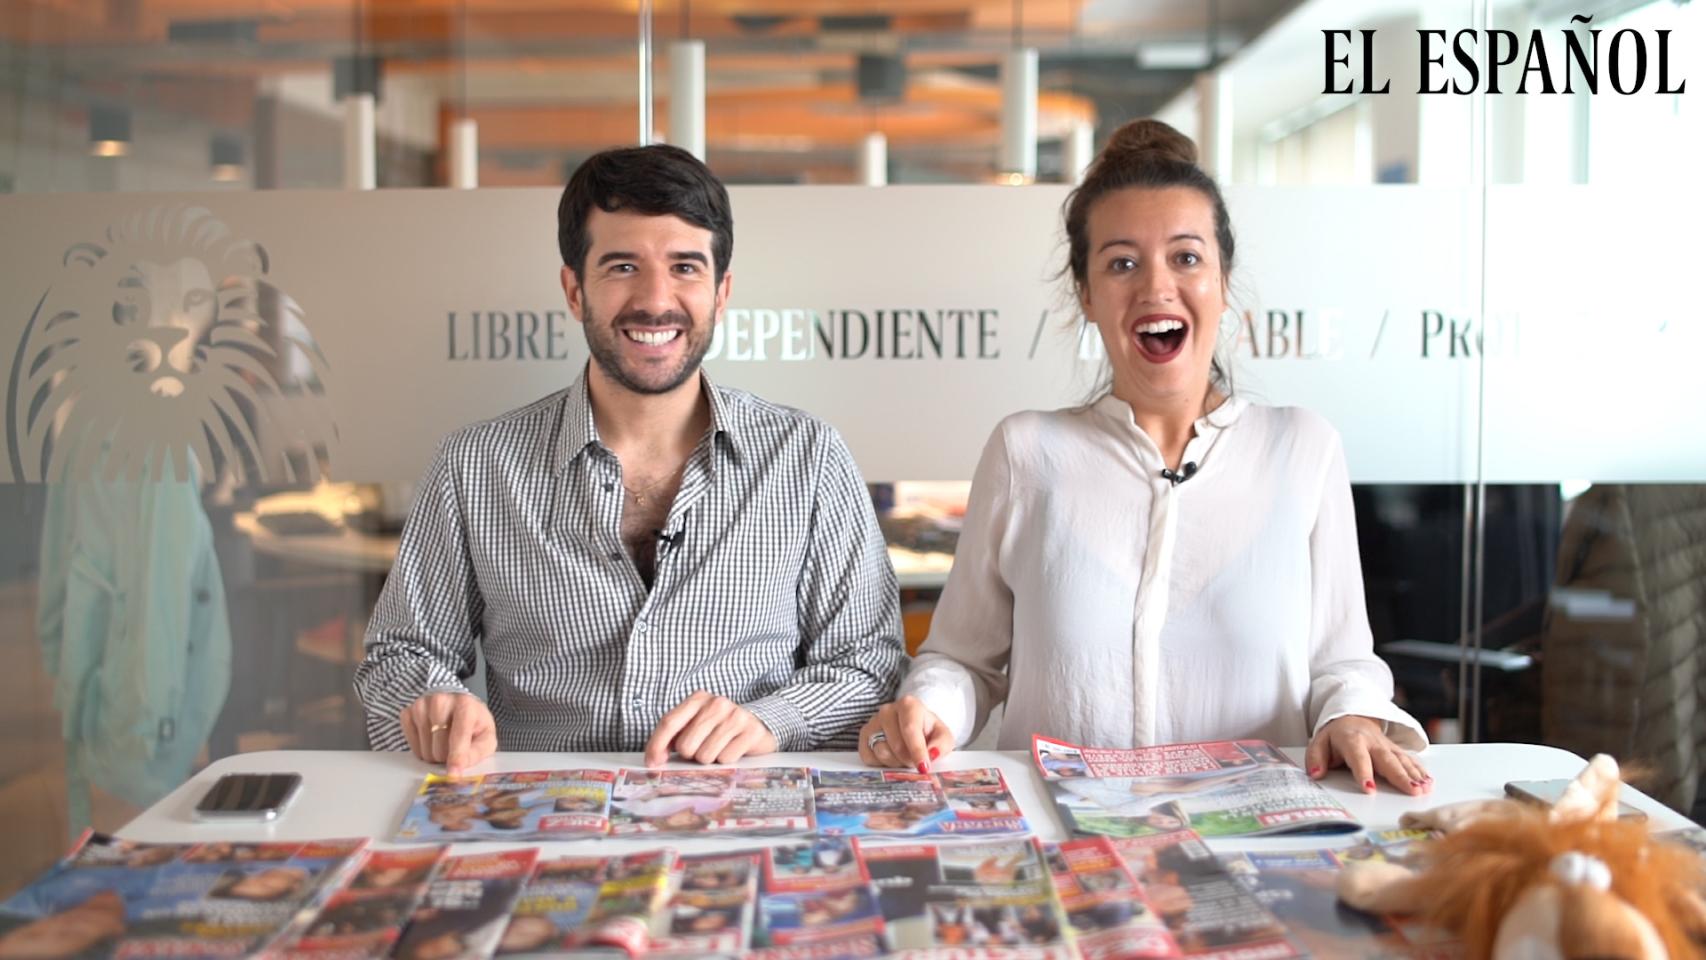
(602, 340)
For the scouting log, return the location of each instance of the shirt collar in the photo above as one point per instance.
(1206, 425)
(725, 414)
(579, 431)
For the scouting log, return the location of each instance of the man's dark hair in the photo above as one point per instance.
(653, 180)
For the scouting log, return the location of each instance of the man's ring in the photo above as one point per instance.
(440, 726)
(875, 738)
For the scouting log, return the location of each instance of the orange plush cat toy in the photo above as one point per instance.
(1517, 882)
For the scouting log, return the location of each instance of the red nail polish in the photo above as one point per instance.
(935, 753)
(1368, 784)
(923, 769)
(1315, 771)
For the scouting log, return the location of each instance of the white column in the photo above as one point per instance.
(1077, 151)
(874, 160)
(1214, 125)
(361, 160)
(464, 154)
(1019, 113)
(645, 98)
(687, 96)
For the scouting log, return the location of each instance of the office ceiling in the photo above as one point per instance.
(552, 79)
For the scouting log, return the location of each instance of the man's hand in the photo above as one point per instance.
(709, 729)
(1358, 743)
(454, 729)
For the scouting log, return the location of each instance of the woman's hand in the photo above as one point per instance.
(906, 734)
(1359, 743)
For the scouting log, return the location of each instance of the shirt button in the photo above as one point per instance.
(609, 487)
(614, 556)
(641, 626)
(638, 702)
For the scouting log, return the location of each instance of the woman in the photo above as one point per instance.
(1169, 563)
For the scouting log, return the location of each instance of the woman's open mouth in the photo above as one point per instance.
(1160, 338)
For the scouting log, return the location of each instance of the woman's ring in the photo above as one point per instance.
(439, 727)
(875, 739)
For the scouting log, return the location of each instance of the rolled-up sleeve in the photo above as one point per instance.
(426, 627)
(1346, 678)
(851, 655)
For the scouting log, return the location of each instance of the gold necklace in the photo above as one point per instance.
(640, 494)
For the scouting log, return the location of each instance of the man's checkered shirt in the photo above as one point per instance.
(778, 592)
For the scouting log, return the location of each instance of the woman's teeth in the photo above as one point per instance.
(1160, 326)
(652, 337)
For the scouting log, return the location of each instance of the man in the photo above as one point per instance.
(645, 559)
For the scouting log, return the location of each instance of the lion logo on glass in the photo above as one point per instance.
(164, 349)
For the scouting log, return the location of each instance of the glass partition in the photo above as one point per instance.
(1484, 294)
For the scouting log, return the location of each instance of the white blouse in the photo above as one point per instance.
(1109, 607)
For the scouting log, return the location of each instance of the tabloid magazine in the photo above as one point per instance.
(1107, 914)
(467, 907)
(806, 901)
(113, 898)
(1210, 915)
(1222, 788)
(978, 900)
(514, 807)
(899, 803)
(590, 906)
(557, 898)
(626, 907)
(749, 801)
(363, 920)
(811, 901)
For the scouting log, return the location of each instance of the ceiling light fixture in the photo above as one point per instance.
(109, 130)
(226, 155)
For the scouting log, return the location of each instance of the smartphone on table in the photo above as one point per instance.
(1547, 792)
(249, 796)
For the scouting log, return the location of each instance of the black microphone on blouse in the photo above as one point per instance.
(671, 540)
(1185, 472)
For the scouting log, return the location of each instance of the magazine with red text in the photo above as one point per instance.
(467, 907)
(342, 859)
(816, 901)
(901, 803)
(1106, 912)
(522, 806)
(740, 801)
(627, 908)
(363, 920)
(558, 896)
(711, 905)
(984, 899)
(1222, 788)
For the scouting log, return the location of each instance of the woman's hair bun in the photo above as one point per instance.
(1150, 140)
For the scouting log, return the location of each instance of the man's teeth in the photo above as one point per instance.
(1160, 326)
(652, 337)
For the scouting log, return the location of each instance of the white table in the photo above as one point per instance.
(359, 794)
